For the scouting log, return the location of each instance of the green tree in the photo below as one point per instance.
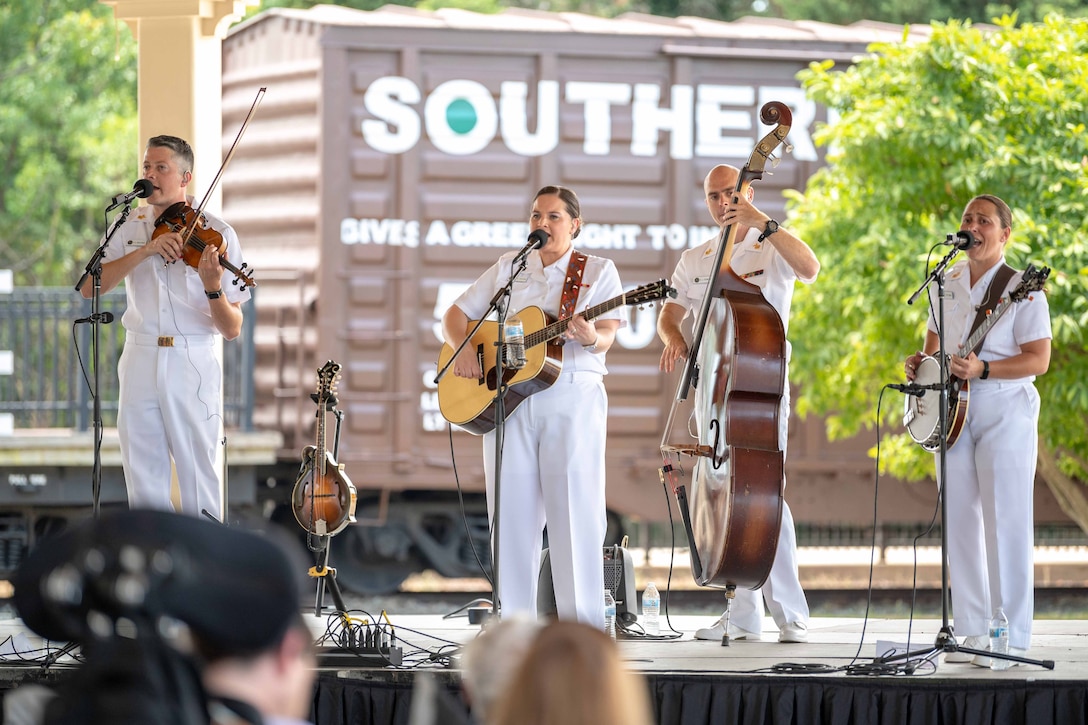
(923, 127)
(67, 133)
(844, 12)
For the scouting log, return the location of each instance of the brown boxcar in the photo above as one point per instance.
(395, 157)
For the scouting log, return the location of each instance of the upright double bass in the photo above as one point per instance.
(737, 367)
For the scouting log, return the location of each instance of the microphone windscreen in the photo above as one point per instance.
(539, 237)
(143, 188)
(967, 240)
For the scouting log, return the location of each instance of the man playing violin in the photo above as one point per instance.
(169, 403)
(772, 258)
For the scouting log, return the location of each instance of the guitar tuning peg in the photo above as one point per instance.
(787, 147)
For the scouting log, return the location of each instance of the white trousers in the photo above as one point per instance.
(782, 591)
(169, 407)
(553, 471)
(991, 478)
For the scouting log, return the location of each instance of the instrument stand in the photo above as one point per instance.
(371, 648)
(499, 304)
(94, 269)
(319, 544)
(946, 640)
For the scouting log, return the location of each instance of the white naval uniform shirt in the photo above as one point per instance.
(1022, 322)
(759, 263)
(169, 299)
(543, 287)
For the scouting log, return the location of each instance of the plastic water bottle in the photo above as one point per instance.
(999, 640)
(609, 613)
(514, 332)
(651, 610)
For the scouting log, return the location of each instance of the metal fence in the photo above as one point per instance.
(51, 385)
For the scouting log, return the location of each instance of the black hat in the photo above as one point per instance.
(232, 587)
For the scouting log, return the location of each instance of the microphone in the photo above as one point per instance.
(537, 239)
(103, 317)
(962, 240)
(909, 389)
(140, 190)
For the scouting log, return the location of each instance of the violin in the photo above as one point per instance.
(196, 236)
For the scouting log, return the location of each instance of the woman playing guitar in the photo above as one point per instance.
(553, 465)
(991, 467)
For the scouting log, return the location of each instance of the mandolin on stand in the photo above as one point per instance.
(324, 498)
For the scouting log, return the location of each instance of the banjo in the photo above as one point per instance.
(921, 414)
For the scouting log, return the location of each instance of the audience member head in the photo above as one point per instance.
(572, 675)
(490, 661)
(276, 681)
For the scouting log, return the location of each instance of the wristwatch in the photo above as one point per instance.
(593, 347)
(985, 370)
(771, 228)
(214, 295)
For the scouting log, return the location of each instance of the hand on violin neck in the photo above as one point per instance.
(211, 271)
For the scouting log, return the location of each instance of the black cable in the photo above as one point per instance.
(464, 516)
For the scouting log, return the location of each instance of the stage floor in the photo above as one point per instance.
(433, 641)
(827, 680)
(830, 680)
(834, 643)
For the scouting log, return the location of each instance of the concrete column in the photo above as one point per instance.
(179, 83)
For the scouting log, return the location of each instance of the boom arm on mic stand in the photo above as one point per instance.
(938, 271)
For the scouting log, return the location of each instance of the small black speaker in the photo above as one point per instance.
(619, 578)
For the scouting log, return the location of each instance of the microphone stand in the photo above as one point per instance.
(946, 640)
(498, 304)
(94, 270)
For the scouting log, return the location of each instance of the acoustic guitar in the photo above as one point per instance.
(922, 414)
(471, 403)
(324, 498)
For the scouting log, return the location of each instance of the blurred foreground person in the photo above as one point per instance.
(276, 684)
(135, 590)
(573, 675)
(490, 661)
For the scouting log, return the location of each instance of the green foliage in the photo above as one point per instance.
(844, 12)
(67, 133)
(924, 127)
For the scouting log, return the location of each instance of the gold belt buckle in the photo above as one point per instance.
(166, 341)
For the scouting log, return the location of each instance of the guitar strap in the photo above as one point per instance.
(573, 285)
(993, 295)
